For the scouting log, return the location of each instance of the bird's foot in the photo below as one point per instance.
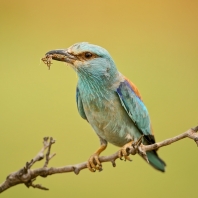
(94, 163)
(124, 151)
(139, 148)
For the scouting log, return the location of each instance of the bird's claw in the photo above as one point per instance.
(94, 163)
(124, 152)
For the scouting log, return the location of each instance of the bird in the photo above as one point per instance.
(109, 102)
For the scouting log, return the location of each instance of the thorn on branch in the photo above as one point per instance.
(113, 163)
(39, 186)
(25, 169)
(29, 164)
(76, 170)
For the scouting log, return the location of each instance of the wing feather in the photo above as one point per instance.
(132, 102)
(80, 105)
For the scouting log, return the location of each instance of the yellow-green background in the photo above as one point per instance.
(154, 43)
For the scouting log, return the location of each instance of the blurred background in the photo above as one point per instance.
(154, 43)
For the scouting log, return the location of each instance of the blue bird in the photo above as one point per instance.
(110, 103)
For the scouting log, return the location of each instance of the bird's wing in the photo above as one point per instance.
(132, 102)
(80, 105)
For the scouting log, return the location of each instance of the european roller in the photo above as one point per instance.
(109, 102)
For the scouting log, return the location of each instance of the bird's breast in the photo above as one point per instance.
(108, 118)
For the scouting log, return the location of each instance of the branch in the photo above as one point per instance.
(27, 176)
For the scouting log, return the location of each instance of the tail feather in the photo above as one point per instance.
(156, 161)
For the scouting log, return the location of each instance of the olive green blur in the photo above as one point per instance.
(154, 43)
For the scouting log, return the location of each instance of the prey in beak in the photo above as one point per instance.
(59, 55)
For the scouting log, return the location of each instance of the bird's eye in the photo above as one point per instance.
(88, 55)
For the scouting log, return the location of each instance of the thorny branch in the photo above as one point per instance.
(27, 176)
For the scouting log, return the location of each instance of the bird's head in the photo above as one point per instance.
(87, 60)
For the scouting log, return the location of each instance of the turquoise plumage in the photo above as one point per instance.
(108, 101)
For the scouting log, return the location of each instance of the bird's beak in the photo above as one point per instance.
(61, 55)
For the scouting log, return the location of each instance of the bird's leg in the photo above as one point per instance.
(123, 152)
(93, 162)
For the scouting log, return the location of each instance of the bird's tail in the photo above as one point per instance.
(156, 161)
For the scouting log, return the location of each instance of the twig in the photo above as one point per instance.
(48, 145)
(191, 133)
(27, 176)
